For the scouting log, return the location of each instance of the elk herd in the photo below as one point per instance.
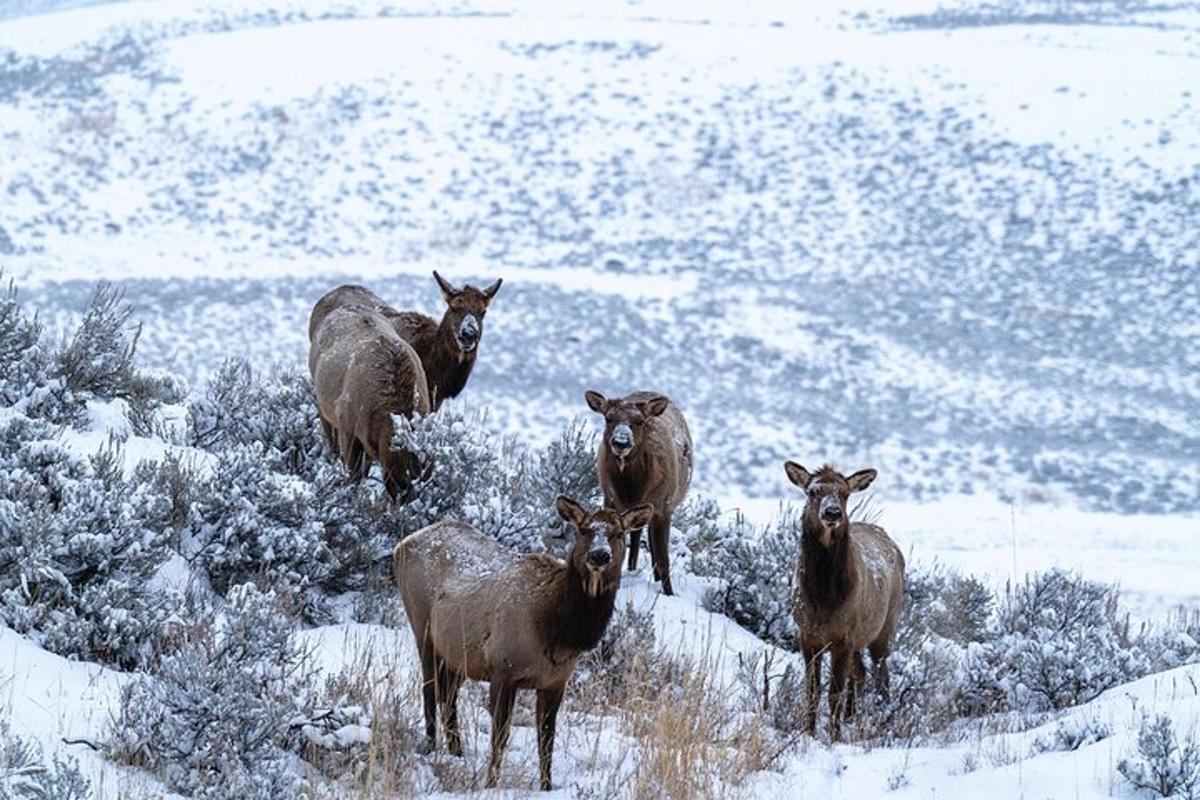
(483, 612)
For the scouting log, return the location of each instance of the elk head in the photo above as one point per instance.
(465, 310)
(599, 547)
(625, 421)
(827, 489)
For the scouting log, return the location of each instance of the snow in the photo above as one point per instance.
(107, 421)
(47, 699)
(745, 327)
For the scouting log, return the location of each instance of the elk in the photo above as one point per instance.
(645, 456)
(847, 594)
(363, 373)
(481, 611)
(448, 349)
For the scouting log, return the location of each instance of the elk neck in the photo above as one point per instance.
(827, 578)
(577, 620)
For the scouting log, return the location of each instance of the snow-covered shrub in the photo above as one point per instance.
(99, 358)
(936, 656)
(224, 714)
(624, 663)
(78, 546)
(97, 361)
(790, 701)
(149, 391)
(174, 481)
(28, 377)
(1072, 733)
(464, 474)
(706, 536)
(25, 775)
(1176, 643)
(500, 487)
(217, 415)
(249, 523)
(277, 411)
(945, 603)
(566, 466)
(755, 569)
(252, 523)
(1164, 765)
(1059, 642)
(22, 360)
(924, 696)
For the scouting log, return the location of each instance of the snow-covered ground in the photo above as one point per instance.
(956, 242)
(50, 698)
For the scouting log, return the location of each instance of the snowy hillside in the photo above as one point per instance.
(956, 247)
(954, 241)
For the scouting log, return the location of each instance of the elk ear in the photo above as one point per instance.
(569, 510)
(448, 291)
(655, 405)
(797, 474)
(861, 479)
(637, 517)
(595, 401)
(490, 291)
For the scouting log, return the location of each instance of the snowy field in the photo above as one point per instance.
(954, 241)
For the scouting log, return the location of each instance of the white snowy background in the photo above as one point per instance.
(954, 241)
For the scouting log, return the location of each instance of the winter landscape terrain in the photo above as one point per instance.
(954, 241)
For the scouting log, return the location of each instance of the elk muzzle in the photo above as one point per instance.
(467, 334)
(597, 558)
(621, 440)
(831, 511)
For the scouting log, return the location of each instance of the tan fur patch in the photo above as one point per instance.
(595, 582)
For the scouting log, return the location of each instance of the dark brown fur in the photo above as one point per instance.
(481, 611)
(363, 373)
(848, 591)
(447, 362)
(656, 469)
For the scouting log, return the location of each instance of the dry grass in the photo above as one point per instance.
(687, 735)
(640, 723)
(389, 764)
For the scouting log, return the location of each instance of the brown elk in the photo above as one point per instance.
(448, 349)
(363, 373)
(481, 611)
(644, 457)
(848, 590)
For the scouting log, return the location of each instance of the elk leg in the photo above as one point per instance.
(854, 685)
(429, 695)
(330, 435)
(389, 463)
(548, 701)
(500, 701)
(660, 532)
(879, 655)
(635, 545)
(812, 685)
(354, 456)
(837, 692)
(391, 481)
(448, 683)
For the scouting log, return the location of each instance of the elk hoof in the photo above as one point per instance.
(666, 587)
